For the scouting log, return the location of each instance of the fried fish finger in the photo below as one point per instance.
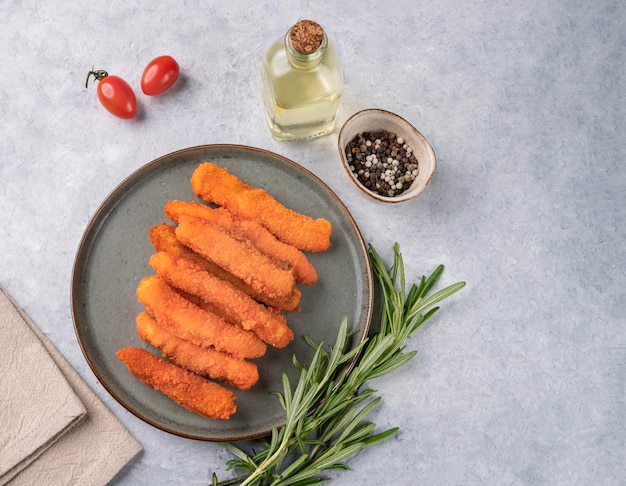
(209, 362)
(236, 256)
(189, 390)
(188, 321)
(251, 230)
(163, 238)
(185, 275)
(215, 184)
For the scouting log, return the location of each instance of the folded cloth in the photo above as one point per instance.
(55, 430)
(37, 404)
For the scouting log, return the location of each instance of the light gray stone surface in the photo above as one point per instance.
(520, 377)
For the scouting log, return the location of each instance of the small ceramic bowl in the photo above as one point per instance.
(375, 120)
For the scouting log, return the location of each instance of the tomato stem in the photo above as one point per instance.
(99, 74)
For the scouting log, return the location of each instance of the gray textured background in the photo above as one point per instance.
(520, 377)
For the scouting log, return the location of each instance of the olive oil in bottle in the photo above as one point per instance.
(302, 83)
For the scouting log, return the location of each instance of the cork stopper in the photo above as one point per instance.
(306, 36)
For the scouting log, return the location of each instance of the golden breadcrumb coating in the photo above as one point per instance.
(214, 184)
(189, 390)
(186, 320)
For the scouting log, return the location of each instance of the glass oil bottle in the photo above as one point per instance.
(302, 83)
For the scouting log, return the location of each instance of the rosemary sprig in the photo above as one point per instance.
(326, 414)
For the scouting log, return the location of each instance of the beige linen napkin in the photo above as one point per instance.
(92, 447)
(37, 404)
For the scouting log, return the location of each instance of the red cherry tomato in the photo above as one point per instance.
(115, 94)
(159, 75)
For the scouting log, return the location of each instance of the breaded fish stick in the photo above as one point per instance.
(163, 238)
(215, 184)
(239, 307)
(188, 321)
(219, 366)
(187, 389)
(236, 256)
(251, 230)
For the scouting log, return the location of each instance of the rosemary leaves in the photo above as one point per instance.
(326, 413)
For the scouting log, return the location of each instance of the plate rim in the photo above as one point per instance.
(89, 235)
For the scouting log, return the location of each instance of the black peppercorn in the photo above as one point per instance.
(368, 153)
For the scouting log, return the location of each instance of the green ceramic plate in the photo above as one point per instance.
(113, 257)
